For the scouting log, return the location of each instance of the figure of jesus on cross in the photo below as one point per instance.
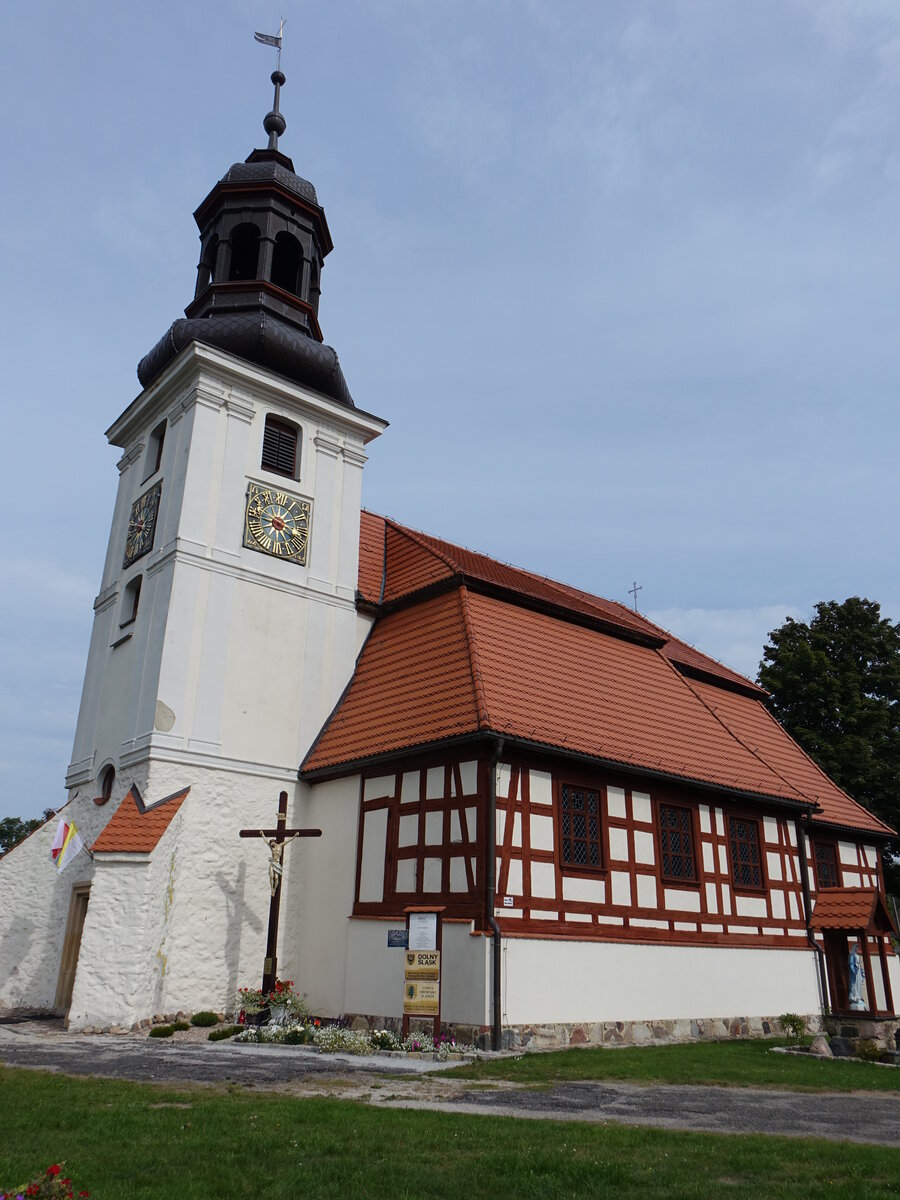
(276, 839)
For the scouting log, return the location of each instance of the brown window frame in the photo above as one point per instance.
(678, 880)
(740, 885)
(599, 840)
(282, 429)
(825, 844)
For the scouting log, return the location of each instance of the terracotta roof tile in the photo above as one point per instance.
(752, 722)
(467, 661)
(413, 561)
(539, 678)
(134, 829)
(371, 556)
(413, 684)
(852, 909)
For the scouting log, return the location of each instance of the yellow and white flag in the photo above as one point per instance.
(66, 844)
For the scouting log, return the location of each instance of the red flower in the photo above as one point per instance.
(54, 1170)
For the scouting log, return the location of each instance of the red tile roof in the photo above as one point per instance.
(852, 909)
(135, 829)
(371, 556)
(468, 645)
(754, 725)
(408, 561)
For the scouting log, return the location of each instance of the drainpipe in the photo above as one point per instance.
(490, 890)
(807, 910)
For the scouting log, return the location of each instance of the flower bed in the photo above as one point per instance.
(52, 1185)
(334, 1038)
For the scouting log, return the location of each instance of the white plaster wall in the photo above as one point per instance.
(224, 632)
(121, 969)
(375, 973)
(319, 891)
(546, 981)
(34, 905)
(206, 933)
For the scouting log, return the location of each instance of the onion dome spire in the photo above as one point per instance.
(263, 240)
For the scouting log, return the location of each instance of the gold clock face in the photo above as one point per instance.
(142, 524)
(277, 523)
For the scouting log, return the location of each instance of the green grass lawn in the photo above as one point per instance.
(121, 1140)
(738, 1063)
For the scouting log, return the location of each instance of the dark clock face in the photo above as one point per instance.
(142, 524)
(277, 523)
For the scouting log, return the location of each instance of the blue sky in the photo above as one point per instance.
(622, 276)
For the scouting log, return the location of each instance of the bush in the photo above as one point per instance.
(792, 1025)
(228, 1031)
(168, 1030)
(301, 1036)
(869, 1050)
(204, 1019)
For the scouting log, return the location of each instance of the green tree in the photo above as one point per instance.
(835, 687)
(14, 830)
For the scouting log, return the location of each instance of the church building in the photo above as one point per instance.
(619, 839)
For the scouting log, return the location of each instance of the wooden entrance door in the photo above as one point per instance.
(71, 945)
(837, 960)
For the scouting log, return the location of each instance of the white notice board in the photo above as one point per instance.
(423, 931)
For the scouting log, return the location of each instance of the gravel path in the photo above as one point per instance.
(868, 1117)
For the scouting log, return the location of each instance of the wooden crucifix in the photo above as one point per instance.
(276, 839)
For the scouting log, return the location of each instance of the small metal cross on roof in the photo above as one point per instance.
(633, 591)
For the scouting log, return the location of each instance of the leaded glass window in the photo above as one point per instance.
(746, 867)
(826, 866)
(676, 843)
(580, 823)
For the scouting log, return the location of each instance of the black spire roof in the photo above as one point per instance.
(263, 239)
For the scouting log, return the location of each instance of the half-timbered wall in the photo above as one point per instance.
(418, 839)
(630, 892)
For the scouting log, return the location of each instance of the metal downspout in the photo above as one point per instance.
(807, 911)
(490, 890)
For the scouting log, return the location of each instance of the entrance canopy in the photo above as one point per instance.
(854, 909)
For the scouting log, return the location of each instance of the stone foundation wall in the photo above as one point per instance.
(883, 1031)
(598, 1033)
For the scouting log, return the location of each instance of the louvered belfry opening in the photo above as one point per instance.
(279, 452)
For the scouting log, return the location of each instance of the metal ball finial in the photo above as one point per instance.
(274, 123)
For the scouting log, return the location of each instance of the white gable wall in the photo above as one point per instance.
(34, 906)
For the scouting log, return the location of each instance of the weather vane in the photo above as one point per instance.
(273, 39)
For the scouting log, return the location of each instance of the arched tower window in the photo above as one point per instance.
(207, 269)
(280, 451)
(244, 252)
(155, 450)
(286, 261)
(131, 602)
(107, 779)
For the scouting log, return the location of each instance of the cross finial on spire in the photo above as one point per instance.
(633, 591)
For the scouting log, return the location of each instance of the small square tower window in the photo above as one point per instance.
(281, 447)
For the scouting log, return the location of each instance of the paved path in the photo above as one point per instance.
(872, 1117)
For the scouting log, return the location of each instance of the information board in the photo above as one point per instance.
(423, 931)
